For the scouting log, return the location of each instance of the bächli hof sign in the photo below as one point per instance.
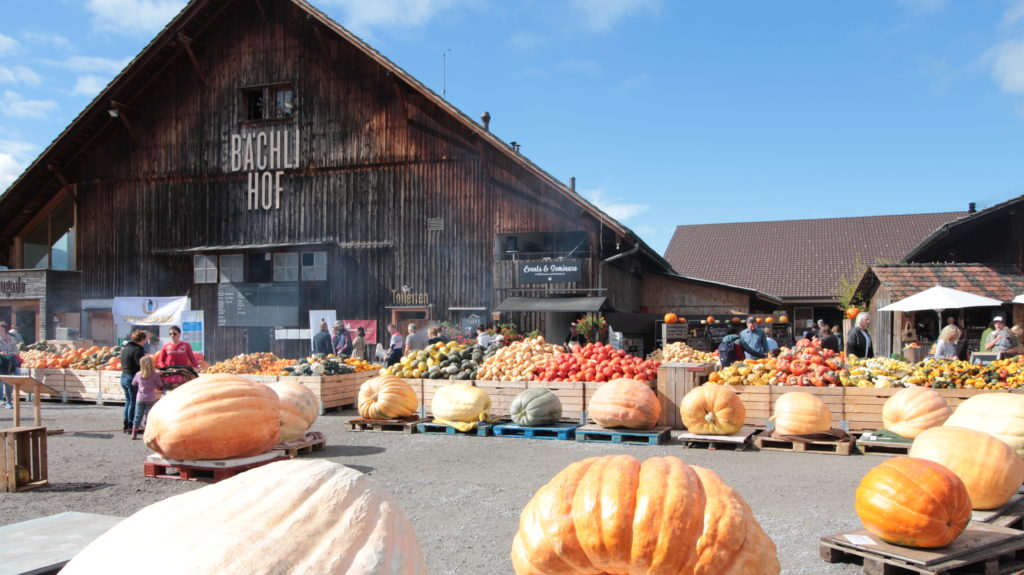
(264, 155)
(566, 271)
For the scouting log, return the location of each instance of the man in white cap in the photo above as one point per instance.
(1001, 339)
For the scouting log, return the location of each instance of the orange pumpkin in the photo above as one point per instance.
(387, 397)
(712, 410)
(914, 502)
(914, 409)
(799, 413)
(783, 319)
(299, 408)
(851, 312)
(759, 319)
(625, 403)
(710, 319)
(769, 320)
(991, 469)
(671, 318)
(614, 514)
(733, 542)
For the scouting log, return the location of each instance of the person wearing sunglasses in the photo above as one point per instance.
(176, 352)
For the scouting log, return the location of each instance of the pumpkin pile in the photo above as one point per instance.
(319, 364)
(95, 357)
(518, 361)
(679, 352)
(452, 360)
(596, 362)
(361, 365)
(262, 363)
(808, 364)
(748, 372)
(945, 373)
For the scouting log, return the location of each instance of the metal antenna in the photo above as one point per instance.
(444, 72)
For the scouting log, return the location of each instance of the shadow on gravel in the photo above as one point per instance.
(72, 487)
(364, 469)
(91, 435)
(350, 450)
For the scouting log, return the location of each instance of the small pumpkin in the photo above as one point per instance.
(991, 469)
(710, 319)
(912, 410)
(769, 319)
(1001, 414)
(462, 403)
(299, 408)
(288, 517)
(800, 413)
(712, 410)
(625, 403)
(913, 502)
(21, 476)
(536, 406)
(387, 397)
(852, 312)
(783, 319)
(671, 318)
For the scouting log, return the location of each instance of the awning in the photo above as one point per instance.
(555, 304)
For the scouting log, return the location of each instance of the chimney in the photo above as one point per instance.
(515, 146)
(486, 119)
(572, 183)
(970, 208)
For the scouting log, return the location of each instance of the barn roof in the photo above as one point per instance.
(1001, 282)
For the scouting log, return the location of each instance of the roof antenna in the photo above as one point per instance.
(444, 72)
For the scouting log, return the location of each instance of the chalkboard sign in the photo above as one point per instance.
(715, 332)
(258, 304)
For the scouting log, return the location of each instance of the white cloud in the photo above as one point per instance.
(89, 86)
(1013, 14)
(1008, 66)
(614, 207)
(361, 16)
(14, 158)
(15, 105)
(7, 44)
(133, 17)
(19, 75)
(94, 64)
(55, 40)
(924, 6)
(601, 15)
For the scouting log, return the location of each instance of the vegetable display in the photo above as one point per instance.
(596, 362)
(679, 352)
(454, 361)
(518, 361)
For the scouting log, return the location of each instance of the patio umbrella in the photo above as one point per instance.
(1019, 299)
(940, 298)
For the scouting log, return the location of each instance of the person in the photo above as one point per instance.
(395, 345)
(415, 341)
(773, 346)
(131, 354)
(18, 340)
(859, 341)
(149, 384)
(176, 352)
(1001, 339)
(1018, 333)
(343, 345)
(826, 337)
(984, 336)
(574, 337)
(961, 342)
(730, 350)
(322, 340)
(945, 348)
(753, 340)
(152, 343)
(359, 344)
(483, 338)
(8, 363)
(435, 336)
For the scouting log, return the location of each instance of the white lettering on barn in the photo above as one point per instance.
(264, 155)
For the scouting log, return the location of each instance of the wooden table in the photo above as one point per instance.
(42, 546)
(28, 385)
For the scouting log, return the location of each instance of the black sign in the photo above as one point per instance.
(468, 324)
(716, 331)
(565, 271)
(258, 304)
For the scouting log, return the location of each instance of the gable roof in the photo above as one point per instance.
(1001, 282)
(797, 259)
(955, 230)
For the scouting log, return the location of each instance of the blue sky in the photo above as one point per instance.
(667, 112)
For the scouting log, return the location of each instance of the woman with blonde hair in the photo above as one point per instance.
(945, 348)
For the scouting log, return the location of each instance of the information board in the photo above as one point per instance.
(715, 332)
(258, 304)
(674, 332)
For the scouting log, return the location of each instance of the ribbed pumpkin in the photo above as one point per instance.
(615, 515)
(991, 470)
(299, 408)
(536, 406)
(625, 403)
(800, 413)
(912, 410)
(289, 518)
(387, 397)
(712, 410)
(914, 502)
(1001, 414)
(219, 417)
(461, 402)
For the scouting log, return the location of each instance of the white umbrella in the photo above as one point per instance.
(940, 298)
(1019, 299)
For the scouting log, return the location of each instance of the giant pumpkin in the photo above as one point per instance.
(912, 410)
(615, 515)
(299, 408)
(535, 407)
(289, 518)
(1001, 414)
(387, 397)
(914, 502)
(991, 469)
(800, 413)
(460, 402)
(625, 403)
(712, 410)
(220, 417)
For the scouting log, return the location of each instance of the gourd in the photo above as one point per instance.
(914, 502)
(1001, 414)
(536, 407)
(387, 397)
(671, 318)
(461, 402)
(288, 518)
(299, 408)
(625, 403)
(914, 409)
(712, 410)
(616, 515)
(215, 417)
(800, 413)
(991, 469)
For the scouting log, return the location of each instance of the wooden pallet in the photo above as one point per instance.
(596, 434)
(310, 443)
(209, 471)
(872, 444)
(766, 443)
(481, 430)
(557, 431)
(406, 425)
(1010, 514)
(980, 548)
(737, 441)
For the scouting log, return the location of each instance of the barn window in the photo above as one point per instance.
(49, 241)
(272, 102)
(540, 245)
(314, 266)
(232, 268)
(205, 269)
(286, 267)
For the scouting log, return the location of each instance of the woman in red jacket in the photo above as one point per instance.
(176, 352)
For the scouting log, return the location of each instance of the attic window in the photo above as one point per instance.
(273, 102)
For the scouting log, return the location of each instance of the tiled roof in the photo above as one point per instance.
(995, 281)
(797, 258)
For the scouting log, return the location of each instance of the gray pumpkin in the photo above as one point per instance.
(536, 407)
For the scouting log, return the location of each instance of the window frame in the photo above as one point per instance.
(292, 270)
(45, 217)
(321, 276)
(222, 277)
(209, 274)
(269, 110)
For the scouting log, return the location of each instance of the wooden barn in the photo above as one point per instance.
(261, 160)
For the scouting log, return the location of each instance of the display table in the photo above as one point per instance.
(26, 384)
(42, 546)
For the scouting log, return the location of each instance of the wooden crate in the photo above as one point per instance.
(430, 387)
(570, 393)
(757, 400)
(342, 390)
(82, 384)
(53, 378)
(863, 405)
(502, 393)
(675, 380)
(110, 384)
(26, 447)
(832, 397)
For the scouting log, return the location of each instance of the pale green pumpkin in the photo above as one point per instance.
(536, 407)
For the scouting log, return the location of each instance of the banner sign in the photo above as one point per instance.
(566, 271)
(367, 324)
(150, 310)
(316, 316)
(193, 330)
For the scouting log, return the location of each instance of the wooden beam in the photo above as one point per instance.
(122, 114)
(56, 172)
(259, 6)
(186, 43)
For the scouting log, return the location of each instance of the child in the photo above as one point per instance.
(149, 384)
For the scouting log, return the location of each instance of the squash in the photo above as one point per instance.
(625, 403)
(615, 515)
(712, 410)
(461, 402)
(299, 409)
(387, 397)
(800, 413)
(914, 502)
(1001, 414)
(289, 517)
(991, 469)
(535, 407)
(671, 318)
(215, 417)
(914, 409)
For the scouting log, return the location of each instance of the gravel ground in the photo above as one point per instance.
(463, 494)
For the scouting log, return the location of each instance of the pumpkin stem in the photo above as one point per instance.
(709, 417)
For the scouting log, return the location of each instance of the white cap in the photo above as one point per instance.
(997, 318)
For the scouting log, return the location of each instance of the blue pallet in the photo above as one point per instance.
(595, 434)
(481, 430)
(556, 431)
